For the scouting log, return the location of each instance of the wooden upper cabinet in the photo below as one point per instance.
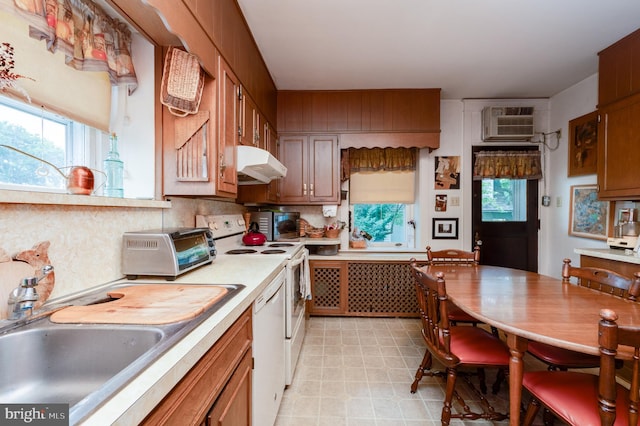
(313, 169)
(619, 70)
(411, 110)
(618, 153)
(228, 105)
(251, 131)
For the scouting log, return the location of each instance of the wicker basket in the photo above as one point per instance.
(332, 233)
(315, 232)
(182, 82)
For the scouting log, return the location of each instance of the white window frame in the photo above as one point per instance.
(83, 146)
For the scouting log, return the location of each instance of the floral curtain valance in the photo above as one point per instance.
(90, 39)
(376, 159)
(507, 165)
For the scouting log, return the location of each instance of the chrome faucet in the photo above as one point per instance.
(23, 297)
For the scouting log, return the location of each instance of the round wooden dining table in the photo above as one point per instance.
(530, 306)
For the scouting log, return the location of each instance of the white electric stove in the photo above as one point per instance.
(227, 231)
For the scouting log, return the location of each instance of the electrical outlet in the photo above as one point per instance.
(455, 201)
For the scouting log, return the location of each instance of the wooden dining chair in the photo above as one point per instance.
(456, 257)
(587, 399)
(598, 279)
(456, 348)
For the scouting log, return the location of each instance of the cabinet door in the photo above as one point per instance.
(294, 188)
(382, 289)
(228, 133)
(324, 169)
(328, 287)
(618, 153)
(250, 129)
(233, 406)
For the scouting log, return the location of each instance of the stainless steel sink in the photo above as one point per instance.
(83, 364)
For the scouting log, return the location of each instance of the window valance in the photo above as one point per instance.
(354, 160)
(90, 39)
(507, 165)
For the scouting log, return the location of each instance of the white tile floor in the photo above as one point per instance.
(358, 371)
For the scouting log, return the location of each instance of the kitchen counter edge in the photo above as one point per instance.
(611, 254)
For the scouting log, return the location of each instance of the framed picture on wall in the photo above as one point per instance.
(447, 172)
(441, 202)
(583, 145)
(588, 216)
(445, 229)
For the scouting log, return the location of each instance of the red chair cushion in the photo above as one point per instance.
(573, 396)
(562, 357)
(458, 315)
(475, 346)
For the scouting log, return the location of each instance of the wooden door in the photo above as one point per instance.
(324, 169)
(227, 176)
(618, 153)
(294, 155)
(507, 233)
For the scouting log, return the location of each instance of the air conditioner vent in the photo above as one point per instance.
(507, 123)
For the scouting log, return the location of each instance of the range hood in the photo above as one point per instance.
(257, 166)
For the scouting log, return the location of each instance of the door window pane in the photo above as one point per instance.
(504, 200)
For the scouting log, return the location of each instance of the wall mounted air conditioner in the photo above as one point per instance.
(507, 123)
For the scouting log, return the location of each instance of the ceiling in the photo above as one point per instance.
(468, 48)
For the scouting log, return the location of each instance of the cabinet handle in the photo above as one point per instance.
(223, 166)
(311, 190)
(304, 189)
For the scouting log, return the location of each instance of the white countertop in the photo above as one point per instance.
(132, 404)
(611, 254)
(375, 255)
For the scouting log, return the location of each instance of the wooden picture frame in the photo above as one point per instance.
(445, 228)
(588, 216)
(583, 145)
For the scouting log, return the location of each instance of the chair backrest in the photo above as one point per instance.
(610, 336)
(453, 256)
(603, 280)
(432, 297)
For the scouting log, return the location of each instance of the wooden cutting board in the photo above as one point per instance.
(145, 304)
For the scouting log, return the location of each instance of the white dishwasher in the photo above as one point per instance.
(268, 352)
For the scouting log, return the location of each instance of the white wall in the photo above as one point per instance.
(451, 144)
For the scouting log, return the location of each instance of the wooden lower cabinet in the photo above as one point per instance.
(624, 268)
(362, 288)
(217, 390)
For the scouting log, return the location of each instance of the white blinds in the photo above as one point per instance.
(382, 187)
(80, 95)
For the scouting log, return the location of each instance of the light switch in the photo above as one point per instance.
(455, 201)
(558, 202)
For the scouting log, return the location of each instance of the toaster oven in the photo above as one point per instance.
(166, 253)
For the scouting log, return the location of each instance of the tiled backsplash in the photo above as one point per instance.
(86, 240)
